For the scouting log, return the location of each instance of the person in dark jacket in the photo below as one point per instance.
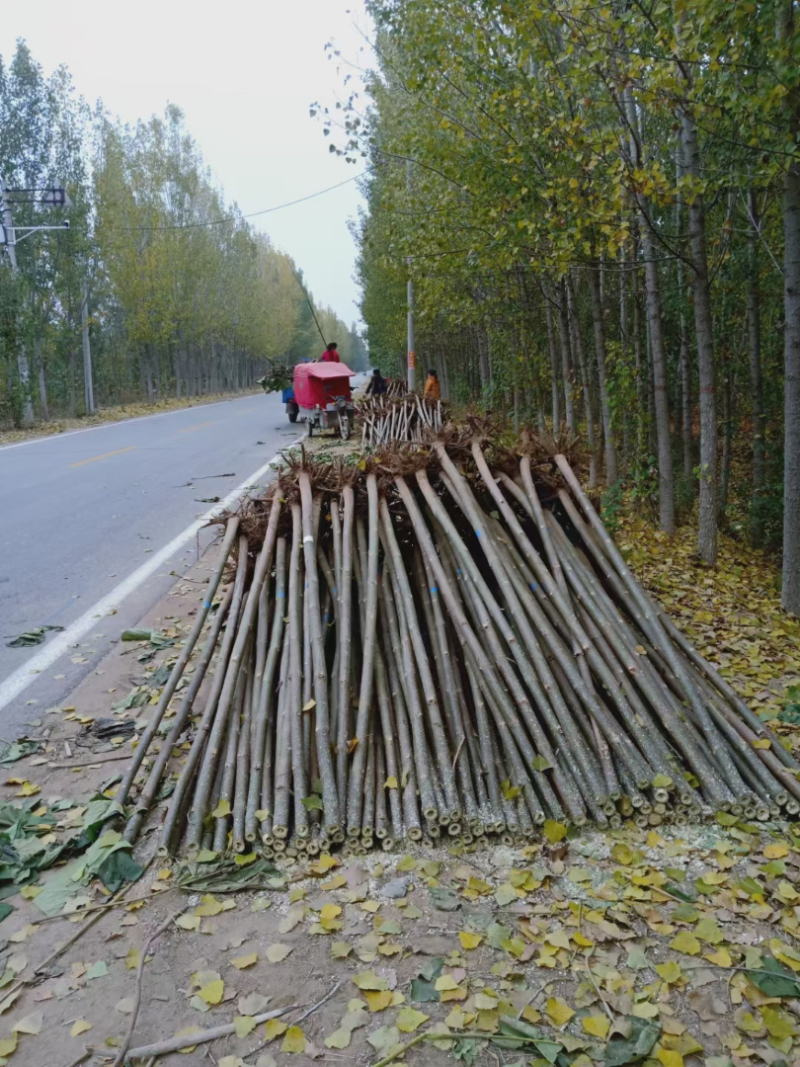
(377, 384)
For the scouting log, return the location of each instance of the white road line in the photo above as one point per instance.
(124, 422)
(27, 673)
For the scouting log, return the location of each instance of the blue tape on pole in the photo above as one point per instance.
(477, 533)
(534, 585)
(281, 595)
(206, 604)
(434, 589)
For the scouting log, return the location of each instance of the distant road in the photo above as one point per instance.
(81, 513)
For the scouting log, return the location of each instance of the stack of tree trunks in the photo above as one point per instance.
(386, 420)
(441, 641)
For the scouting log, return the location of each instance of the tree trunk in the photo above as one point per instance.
(483, 364)
(566, 361)
(684, 362)
(707, 532)
(641, 395)
(658, 360)
(612, 472)
(23, 368)
(655, 327)
(686, 381)
(790, 596)
(727, 434)
(756, 387)
(578, 349)
(553, 358)
(45, 410)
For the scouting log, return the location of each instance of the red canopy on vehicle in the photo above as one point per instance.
(321, 383)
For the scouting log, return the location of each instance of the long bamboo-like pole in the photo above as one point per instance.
(260, 790)
(206, 777)
(656, 633)
(294, 695)
(187, 779)
(345, 583)
(355, 797)
(330, 799)
(148, 793)
(505, 674)
(180, 666)
(433, 716)
(283, 747)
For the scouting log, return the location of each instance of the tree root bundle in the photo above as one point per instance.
(436, 643)
(387, 420)
(396, 387)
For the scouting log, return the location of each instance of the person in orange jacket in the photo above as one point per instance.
(432, 390)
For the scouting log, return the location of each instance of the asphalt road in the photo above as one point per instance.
(80, 512)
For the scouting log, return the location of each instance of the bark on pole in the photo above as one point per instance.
(612, 470)
(578, 349)
(756, 389)
(704, 332)
(666, 501)
(553, 360)
(320, 674)
(790, 594)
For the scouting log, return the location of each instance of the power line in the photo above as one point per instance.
(251, 215)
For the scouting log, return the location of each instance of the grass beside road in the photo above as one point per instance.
(116, 414)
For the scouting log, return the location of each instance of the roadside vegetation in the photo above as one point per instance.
(599, 206)
(184, 297)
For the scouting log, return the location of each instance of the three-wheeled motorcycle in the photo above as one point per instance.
(321, 397)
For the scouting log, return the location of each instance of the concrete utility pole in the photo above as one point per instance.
(412, 359)
(51, 196)
(88, 388)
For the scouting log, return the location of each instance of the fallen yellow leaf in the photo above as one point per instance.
(241, 963)
(213, 992)
(377, 1000)
(596, 1025)
(274, 1028)
(294, 1040)
(469, 940)
(686, 943)
(558, 1011)
(409, 1019)
(243, 1024)
(670, 1058)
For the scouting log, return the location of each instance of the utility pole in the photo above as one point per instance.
(412, 359)
(88, 388)
(22, 356)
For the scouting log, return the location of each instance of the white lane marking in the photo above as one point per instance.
(27, 673)
(125, 422)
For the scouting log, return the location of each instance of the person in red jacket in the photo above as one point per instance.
(330, 355)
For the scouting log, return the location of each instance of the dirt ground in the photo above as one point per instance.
(640, 945)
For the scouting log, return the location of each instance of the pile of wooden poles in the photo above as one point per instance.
(396, 387)
(386, 420)
(437, 642)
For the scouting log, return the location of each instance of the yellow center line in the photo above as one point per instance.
(197, 426)
(93, 459)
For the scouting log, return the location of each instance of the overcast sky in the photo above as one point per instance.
(244, 73)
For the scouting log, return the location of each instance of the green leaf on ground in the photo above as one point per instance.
(642, 1036)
